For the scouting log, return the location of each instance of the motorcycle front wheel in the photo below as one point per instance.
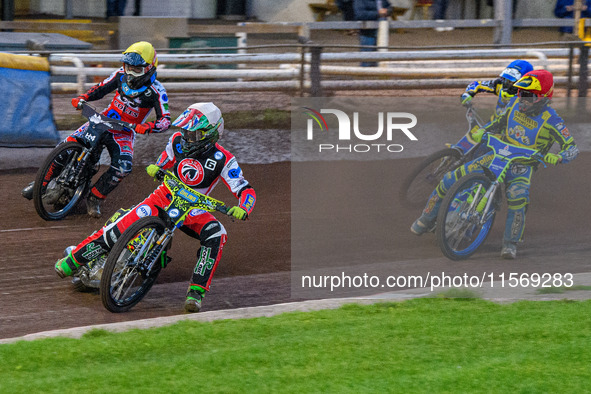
(133, 265)
(418, 185)
(461, 228)
(54, 197)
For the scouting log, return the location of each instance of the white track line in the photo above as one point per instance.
(13, 230)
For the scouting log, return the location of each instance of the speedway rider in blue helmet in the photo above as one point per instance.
(530, 122)
(137, 93)
(501, 86)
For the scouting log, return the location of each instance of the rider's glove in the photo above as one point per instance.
(466, 99)
(142, 128)
(552, 158)
(238, 213)
(77, 102)
(152, 170)
(477, 135)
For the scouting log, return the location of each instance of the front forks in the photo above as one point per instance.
(153, 252)
(486, 201)
(73, 176)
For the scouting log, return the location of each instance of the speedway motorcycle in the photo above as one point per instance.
(65, 176)
(468, 209)
(140, 253)
(418, 185)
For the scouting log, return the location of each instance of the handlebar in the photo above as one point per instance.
(215, 204)
(92, 115)
(540, 158)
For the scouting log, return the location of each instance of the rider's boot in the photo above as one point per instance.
(423, 225)
(509, 251)
(194, 296)
(27, 192)
(93, 206)
(66, 266)
(515, 224)
(426, 222)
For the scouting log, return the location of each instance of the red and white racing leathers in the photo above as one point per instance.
(201, 173)
(129, 109)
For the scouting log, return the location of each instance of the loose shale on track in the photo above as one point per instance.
(256, 262)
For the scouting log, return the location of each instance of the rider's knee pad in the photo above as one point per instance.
(517, 195)
(111, 234)
(213, 234)
(121, 168)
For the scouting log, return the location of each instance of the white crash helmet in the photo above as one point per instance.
(202, 125)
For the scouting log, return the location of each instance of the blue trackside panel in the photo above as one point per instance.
(26, 119)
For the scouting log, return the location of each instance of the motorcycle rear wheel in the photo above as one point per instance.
(126, 278)
(418, 185)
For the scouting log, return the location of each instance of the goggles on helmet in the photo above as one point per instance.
(136, 71)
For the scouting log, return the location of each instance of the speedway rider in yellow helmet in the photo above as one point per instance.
(137, 93)
(139, 63)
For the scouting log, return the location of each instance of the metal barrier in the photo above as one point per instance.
(312, 69)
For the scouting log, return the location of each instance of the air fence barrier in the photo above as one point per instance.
(312, 69)
(24, 81)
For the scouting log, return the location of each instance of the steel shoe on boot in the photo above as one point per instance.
(93, 206)
(27, 192)
(193, 301)
(66, 266)
(509, 251)
(423, 225)
(53, 193)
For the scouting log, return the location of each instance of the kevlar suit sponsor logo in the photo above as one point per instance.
(143, 211)
(190, 171)
(92, 251)
(525, 120)
(249, 202)
(196, 212)
(205, 262)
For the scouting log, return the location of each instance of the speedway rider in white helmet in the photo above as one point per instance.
(196, 158)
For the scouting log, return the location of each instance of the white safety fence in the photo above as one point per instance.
(338, 70)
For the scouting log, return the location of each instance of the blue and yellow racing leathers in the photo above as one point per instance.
(539, 132)
(493, 86)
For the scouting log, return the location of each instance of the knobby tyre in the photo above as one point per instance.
(419, 184)
(459, 233)
(54, 201)
(126, 278)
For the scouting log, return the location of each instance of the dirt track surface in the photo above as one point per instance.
(255, 267)
(33, 298)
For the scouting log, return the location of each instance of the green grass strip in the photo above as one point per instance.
(423, 346)
(562, 289)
